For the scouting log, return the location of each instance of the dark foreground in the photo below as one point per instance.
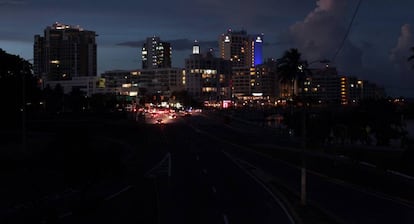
(193, 169)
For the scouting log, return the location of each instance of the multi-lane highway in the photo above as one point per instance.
(198, 169)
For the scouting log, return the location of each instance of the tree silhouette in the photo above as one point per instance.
(411, 58)
(16, 74)
(291, 70)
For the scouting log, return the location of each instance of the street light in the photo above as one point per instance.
(23, 109)
(303, 159)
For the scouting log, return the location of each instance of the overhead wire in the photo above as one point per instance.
(341, 46)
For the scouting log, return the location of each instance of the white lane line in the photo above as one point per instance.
(367, 164)
(276, 199)
(118, 193)
(214, 189)
(400, 174)
(226, 220)
(360, 189)
(67, 214)
(161, 167)
(169, 164)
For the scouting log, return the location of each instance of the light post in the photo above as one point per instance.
(303, 160)
(303, 191)
(23, 109)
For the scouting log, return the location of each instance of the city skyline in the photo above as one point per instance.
(376, 49)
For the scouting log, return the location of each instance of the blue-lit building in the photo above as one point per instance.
(242, 49)
(257, 49)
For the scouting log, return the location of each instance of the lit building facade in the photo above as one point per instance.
(65, 52)
(354, 90)
(325, 86)
(207, 77)
(156, 54)
(87, 84)
(240, 83)
(264, 81)
(144, 83)
(162, 81)
(241, 49)
(120, 82)
(260, 80)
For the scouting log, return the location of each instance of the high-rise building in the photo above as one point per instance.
(241, 49)
(156, 54)
(207, 77)
(65, 52)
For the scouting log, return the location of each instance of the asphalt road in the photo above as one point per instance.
(347, 203)
(198, 169)
(192, 181)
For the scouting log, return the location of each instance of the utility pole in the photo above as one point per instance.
(23, 109)
(303, 169)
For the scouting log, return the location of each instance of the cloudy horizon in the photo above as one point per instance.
(376, 49)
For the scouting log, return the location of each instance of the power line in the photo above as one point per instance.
(347, 32)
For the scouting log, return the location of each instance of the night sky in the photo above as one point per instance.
(376, 49)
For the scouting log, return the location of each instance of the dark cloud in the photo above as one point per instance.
(367, 45)
(402, 76)
(177, 44)
(400, 53)
(134, 44)
(11, 2)
(320, 35)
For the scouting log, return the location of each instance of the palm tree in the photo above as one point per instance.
(411, 58)
(291, 70)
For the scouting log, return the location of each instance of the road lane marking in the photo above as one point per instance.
(276, 199)
(118, 193)
(363, 190)
(226, 220)
(67, 214)
(400, 174)
(160, 167)
(169, 164)
(339, 182)
(367, 164)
